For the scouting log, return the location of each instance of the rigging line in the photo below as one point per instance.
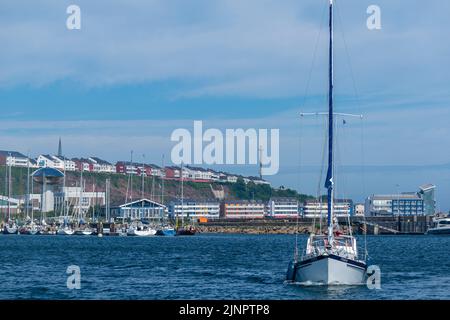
(299, 186)
(319, 185)
(358, 103)
(308, 81)
(347, 53)
(363, 185)
(344, 194)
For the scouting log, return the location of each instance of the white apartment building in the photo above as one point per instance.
(232, 179)
(64, 163)
(14, 159)
(47, 161)
(317, 209)
(283, 208)
(100, 165)
(243, 209)
(195, 209)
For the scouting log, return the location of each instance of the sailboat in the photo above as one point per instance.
(83, 227)
(138, 228)
(183, 230)
(165, 228)
(30, 228)
(330, 258)
(65, 229)
(11, 226)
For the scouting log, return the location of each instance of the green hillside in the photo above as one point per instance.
(153, 187)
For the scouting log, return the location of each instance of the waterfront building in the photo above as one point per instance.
(409, 203)
(89, 199)
(172, 172)
(139, 209)
(13, 158)
(359, 209)
(154, 170)
(62, 163)
(14, 206)
(231, 178)
(100, 165)
(427, 193)
(197, 173)
(126, 167)
(209, 209)
(83, 164)
(242, 209)
(283, 207)
(256, 180)
(317, 209)
(47, 161)
(215, 176)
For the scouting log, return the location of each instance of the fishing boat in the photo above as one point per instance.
(167, 231)
(441, 226)
(141, 231)
(331, 257)
(186, 231)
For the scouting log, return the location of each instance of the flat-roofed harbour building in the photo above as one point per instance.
(209, 209)
(283, 207)
(316, 209)
(242, 209)
(394, 204)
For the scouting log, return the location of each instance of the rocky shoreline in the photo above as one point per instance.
(254, 230)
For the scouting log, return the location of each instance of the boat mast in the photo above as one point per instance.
(182, 196)
(162, 186)
(143, 186)
(9, 187)
(131, 177)
(80, 215)
(329, 181)
(107, 191)
(31, 201)
(65, 214)
(28, 186)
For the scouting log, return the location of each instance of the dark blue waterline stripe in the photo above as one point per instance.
(335, 257)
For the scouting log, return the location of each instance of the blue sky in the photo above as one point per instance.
(139, 69)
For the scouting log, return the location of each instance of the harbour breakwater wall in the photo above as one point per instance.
(371, 225)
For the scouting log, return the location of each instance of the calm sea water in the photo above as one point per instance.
(208, 267)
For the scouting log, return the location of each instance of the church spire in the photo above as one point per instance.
(59, 148)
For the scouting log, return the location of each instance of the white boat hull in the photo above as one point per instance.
(141, 233)
(10, 230)
(65, 232)
(330, 270)
(441, 230)
(83, 232)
